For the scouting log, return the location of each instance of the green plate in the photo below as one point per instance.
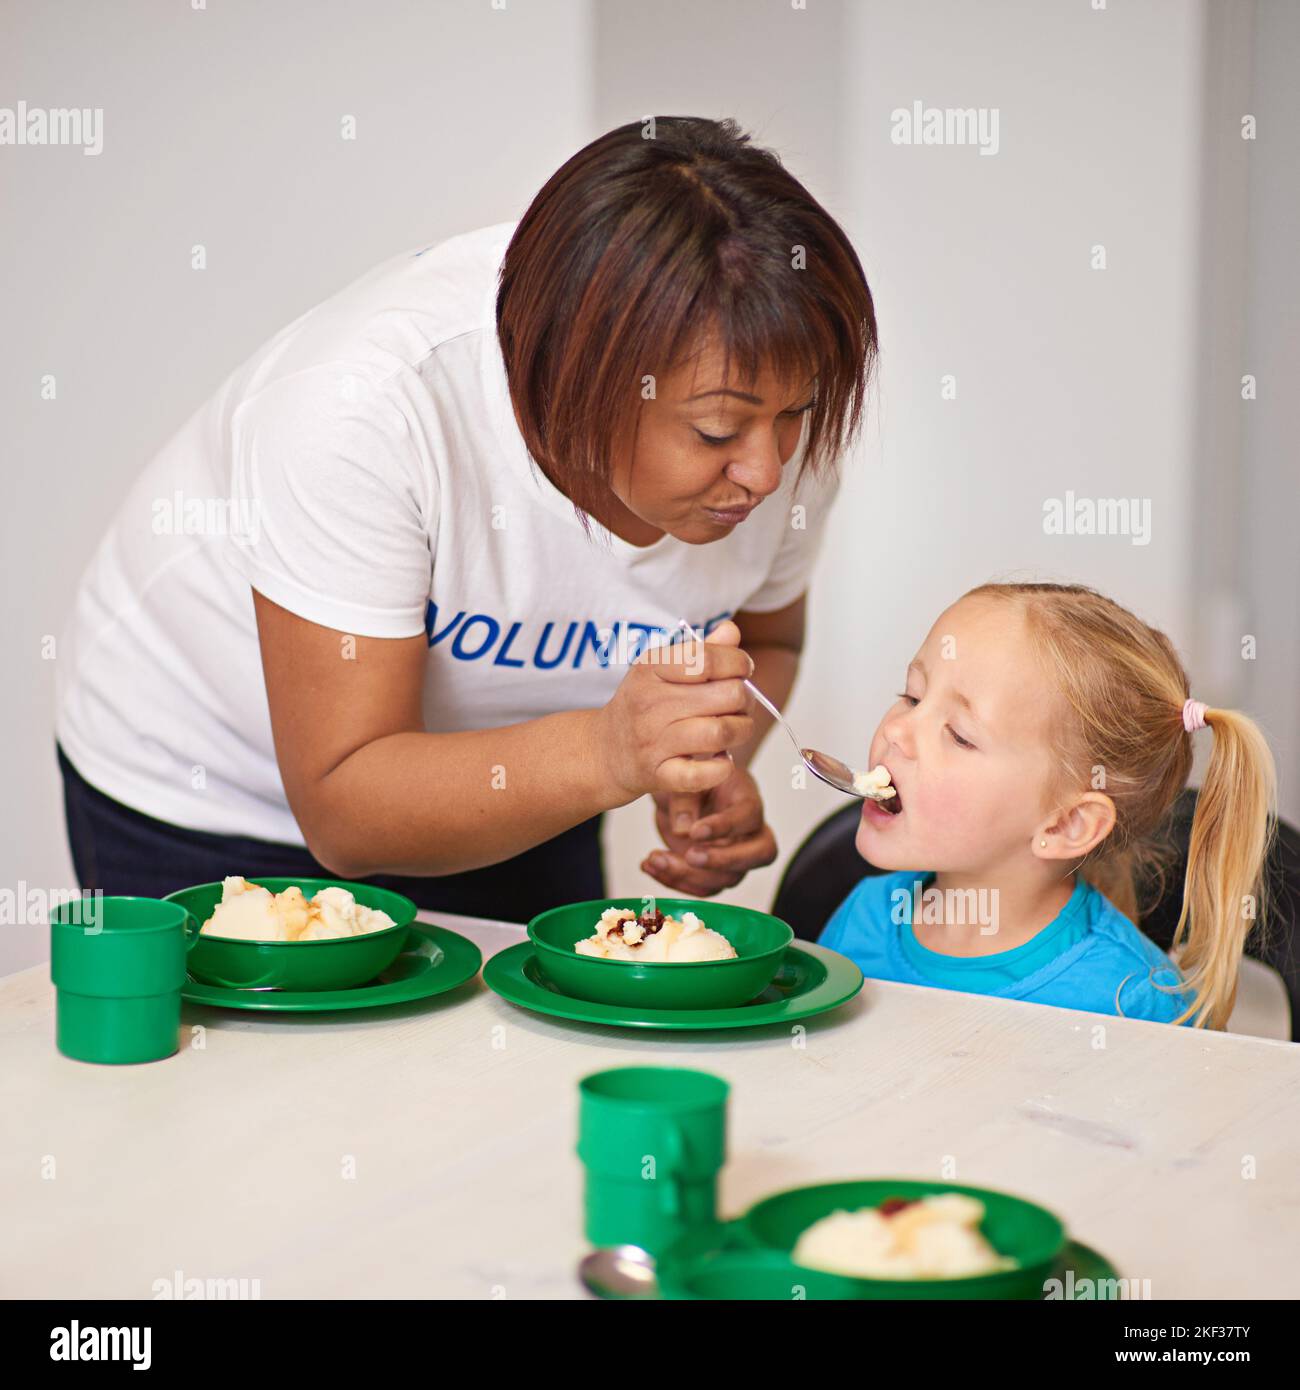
(811, 980)
(722, 1265)
(1084, 1263)
(432, 961)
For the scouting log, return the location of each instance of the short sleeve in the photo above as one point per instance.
(332, 505)
(800, 542)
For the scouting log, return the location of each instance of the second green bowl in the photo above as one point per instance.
(1028, 1233)
(760, 942)
(336, 964)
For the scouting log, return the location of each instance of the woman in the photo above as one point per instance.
(391, 606)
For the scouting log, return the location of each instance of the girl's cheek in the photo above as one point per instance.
(941, 804)
(949, 812)
(987, 809)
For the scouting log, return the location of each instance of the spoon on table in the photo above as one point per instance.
(619, 1271)
(830, 770)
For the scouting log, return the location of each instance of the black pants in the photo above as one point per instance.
(119, 850)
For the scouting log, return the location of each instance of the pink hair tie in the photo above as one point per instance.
(1194, 715)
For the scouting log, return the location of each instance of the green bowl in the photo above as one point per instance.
(1030, 1234)
(760, 942)
(338, 964)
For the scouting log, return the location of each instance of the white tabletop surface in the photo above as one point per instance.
(427, 1150)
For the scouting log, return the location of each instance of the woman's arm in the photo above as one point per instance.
(373, 792)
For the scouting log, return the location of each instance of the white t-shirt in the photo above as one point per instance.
(364, 470)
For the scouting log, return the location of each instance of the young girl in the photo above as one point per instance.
(1040, 742)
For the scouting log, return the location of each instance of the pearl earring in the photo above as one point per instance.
(1042, 844)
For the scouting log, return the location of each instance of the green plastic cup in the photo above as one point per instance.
(652, 1140)
(118, 965)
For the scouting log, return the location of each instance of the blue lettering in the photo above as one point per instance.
(539, 660)
(458, 646)
(591, 637)
(431, 622)
(643, 641)
(502, 658)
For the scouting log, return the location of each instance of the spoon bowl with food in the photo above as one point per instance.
(827, 769)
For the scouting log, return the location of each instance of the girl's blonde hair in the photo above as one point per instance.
(1126, 688)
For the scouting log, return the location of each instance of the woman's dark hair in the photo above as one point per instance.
(647, 240)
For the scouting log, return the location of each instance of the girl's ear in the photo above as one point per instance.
(1076, 830)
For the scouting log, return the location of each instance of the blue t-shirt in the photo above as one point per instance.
(1090, 956)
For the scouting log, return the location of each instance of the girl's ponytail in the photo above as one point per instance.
(1225, 887)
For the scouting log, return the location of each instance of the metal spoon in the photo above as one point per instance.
(831, 771)
(619, 1271)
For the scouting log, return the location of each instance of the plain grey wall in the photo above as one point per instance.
(222, 127)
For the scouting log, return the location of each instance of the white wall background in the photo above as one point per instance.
(222, 128)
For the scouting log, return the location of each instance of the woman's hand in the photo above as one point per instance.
(674, 716)
(713, 838)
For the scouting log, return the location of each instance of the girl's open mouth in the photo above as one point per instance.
(891, 806)
(881, 811)
(877, 790)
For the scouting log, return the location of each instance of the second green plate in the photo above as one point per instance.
(810, 981)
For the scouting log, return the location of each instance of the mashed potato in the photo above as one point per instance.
(935, 1237)
(622, 935)
(874, 784)
(249, 912)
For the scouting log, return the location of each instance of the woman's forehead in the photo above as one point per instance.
(706, 377)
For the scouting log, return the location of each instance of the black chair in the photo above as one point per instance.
(826, 867)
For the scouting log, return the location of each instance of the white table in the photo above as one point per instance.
(457, 1117)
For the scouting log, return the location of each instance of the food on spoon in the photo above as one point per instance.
(653, 936)
(935, 1237)
(875, 786)
(249, 912)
